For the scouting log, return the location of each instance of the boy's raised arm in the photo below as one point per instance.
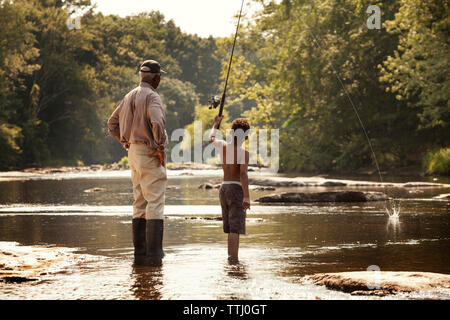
(212, 135)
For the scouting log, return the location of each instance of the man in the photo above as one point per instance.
(139, 124)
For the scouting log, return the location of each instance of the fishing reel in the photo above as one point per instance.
(214, 102)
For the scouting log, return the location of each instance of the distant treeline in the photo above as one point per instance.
(58, 86)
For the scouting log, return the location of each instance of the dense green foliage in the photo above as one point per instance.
(59, 86)
(419, 70)
(438, 162)
(291, 62)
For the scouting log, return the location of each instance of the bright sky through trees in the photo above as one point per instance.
(202, 17)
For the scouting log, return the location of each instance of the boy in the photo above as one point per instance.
(233, 194)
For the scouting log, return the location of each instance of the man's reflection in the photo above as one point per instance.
(147, 275)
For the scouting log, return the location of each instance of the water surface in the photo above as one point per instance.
(282, 245)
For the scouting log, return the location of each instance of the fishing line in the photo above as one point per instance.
(215, 101)
(394, 209)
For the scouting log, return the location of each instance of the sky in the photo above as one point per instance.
(201, 17)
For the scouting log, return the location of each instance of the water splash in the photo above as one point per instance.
(393, 210)
(393, 222)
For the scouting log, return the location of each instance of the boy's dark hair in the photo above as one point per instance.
(240, 123)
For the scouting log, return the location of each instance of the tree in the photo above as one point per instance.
(291, 65)
(59, 86)
(180, 99)
(17, 56)
(418, 72)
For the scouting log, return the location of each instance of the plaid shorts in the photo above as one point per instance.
(233, 213)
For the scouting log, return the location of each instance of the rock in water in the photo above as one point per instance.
(382, 283)
(421, 185)
(206, 186)
(333, 184)
(94, 190)
(21, 264)
(209, 186)
(335, 196)
(257, 188)
(443, 196)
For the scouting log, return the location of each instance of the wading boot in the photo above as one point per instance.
(154, 238)
(139, 226)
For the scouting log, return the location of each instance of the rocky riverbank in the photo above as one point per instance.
(29, 263)
(273, 182)
(106, 167)
(259, 179)
(108, 170)
(445, 196)
(382, 283)
(323, 182)
(345, 192)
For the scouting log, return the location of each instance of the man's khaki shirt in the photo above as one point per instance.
(140, 118)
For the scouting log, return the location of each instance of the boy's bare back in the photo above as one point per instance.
(234, 161)
(232, 171)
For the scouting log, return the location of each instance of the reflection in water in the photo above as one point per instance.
(393, 226)
(147, 282)
(144, 261)
(236, 270)
(235, 285)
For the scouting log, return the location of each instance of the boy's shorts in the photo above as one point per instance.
(233, 213)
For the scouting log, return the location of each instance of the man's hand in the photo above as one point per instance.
(246, 203)
(126, 146)
(161, 156)
(217, 121)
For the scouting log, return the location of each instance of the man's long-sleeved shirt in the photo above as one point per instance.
(140, 118)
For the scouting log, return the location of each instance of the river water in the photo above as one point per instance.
(283, 242)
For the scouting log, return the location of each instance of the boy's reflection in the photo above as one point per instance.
(236, 270)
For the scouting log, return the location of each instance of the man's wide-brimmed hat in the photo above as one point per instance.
(151, 66)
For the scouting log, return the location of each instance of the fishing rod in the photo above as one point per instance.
(216, 101)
